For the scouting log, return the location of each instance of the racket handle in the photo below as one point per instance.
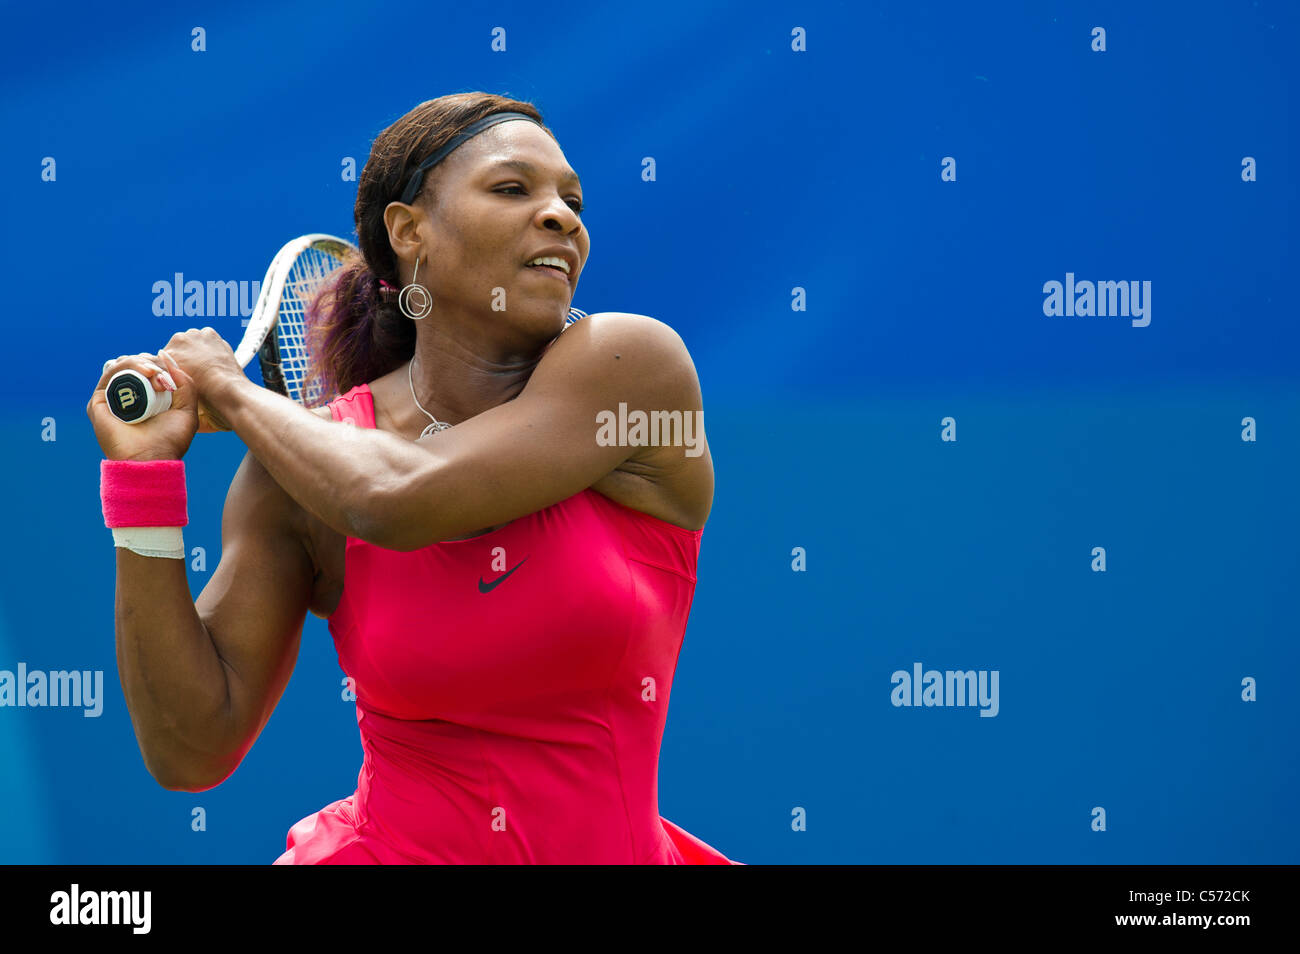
(132, 398)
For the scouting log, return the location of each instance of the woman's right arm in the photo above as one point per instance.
(202, 678)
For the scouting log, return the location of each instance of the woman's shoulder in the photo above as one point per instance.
(623, 326)
(641, 347)
(640, 366)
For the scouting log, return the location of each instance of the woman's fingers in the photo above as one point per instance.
(147, 364)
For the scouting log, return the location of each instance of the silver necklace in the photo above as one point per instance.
(437, 425)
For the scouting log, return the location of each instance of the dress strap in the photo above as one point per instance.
(357, 407)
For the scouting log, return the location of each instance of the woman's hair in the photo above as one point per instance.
(353, 334)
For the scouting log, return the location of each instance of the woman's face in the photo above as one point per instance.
(494, 204)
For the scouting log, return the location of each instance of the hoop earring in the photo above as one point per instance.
(424, 301)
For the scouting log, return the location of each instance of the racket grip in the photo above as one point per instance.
(131, 397)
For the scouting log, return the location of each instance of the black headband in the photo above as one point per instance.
(417, 177)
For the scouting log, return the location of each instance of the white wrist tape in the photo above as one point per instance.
(151, 541)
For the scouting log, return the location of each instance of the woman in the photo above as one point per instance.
(507, 593)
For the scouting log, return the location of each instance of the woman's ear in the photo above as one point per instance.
(403, 223)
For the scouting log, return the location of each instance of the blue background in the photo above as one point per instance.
(775, 169)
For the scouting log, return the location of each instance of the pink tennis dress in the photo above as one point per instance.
(511, 691)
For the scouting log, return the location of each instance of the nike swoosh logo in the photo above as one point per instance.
(488, 587)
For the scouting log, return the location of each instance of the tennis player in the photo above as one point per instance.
(507, 593)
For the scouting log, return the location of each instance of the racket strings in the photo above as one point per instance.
(309, 272)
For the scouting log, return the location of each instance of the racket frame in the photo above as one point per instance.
(259, 337)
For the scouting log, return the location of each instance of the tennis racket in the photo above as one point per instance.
(275, 332)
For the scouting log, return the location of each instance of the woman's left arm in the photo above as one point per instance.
(544, 446)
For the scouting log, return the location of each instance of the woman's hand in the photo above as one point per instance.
(164, 436)
(205, 358)
(193, 362)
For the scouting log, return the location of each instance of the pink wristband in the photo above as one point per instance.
(143, 493)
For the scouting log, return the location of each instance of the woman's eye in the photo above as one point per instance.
(577, 204)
